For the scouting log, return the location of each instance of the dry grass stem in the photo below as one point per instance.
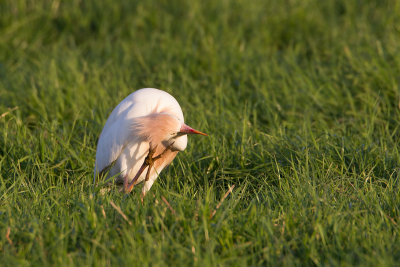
(168, 205)
(222, 200)
(8, 236)
(120, 212)
(103, 212)
(7, 112)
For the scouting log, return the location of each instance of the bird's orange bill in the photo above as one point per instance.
(189, 130)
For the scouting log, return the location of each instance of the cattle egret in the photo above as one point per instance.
(145, 131)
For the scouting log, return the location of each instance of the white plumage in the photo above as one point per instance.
(147, 116)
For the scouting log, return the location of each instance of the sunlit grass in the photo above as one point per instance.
(300, 99)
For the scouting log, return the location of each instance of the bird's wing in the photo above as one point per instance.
(116, 134)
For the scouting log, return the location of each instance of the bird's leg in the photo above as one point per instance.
(148, 162)
(156, 158)
(129, 186)
(142, 195)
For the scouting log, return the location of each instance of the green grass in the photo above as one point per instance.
(300, 98)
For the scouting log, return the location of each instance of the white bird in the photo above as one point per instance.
(146, 123)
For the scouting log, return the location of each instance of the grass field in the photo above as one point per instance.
(301, 99)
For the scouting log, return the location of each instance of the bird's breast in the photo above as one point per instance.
(180, 143)
(133, 156)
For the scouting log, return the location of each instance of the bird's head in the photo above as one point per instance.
(178, 136)
(166, 129)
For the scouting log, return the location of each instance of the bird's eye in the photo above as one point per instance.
(176, 134)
